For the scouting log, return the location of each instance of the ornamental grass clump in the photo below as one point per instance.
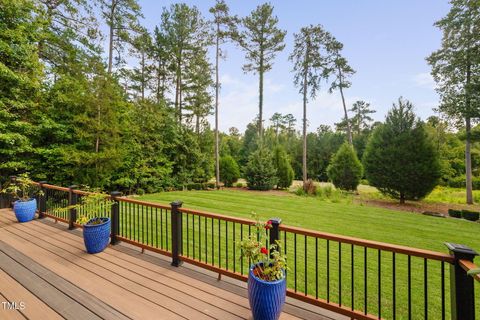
(91, 206)
(269, 263)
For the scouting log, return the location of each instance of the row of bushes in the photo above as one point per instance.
(465, 214)
(459, 182)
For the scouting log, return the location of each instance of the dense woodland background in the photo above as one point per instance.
(74, 113)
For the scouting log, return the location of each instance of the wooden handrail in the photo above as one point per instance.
(144, 203)
(371, 244)
(51, 186)
(469, 265)
(217, 216)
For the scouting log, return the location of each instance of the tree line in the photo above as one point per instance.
(73, 111)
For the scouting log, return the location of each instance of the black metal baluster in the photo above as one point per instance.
(394, 287)
(328, 270)
(188, 235)
(219, 246)
(156, 227)
(340, 274)
(199, 238)
(151, 226)
(234, 255)
(316, 268)
(143, 231)
(206, 240)
(241, 257)
(365, 280)
(379, 284)
(166, 228)
(443, 289)
(425, 288)
(306, 289)
(353, 275)
(295, 259)
(409, 272)
(193, 233)
(226, 244)
(213, 243)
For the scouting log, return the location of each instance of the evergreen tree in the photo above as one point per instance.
(260, 172)
(20, 75)
(361, 119)
(345, 170)
(229, 170)
(400, 159)
(283, 167)
(261, 39)
(456, 69)
(311, 59)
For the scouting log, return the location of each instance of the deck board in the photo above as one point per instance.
(119, 283)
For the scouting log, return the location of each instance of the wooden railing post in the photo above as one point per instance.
(13, 181)
(72, 200)
(176, 223)
(461, 284)
(274, 231)
(42, 200)
(115, 216)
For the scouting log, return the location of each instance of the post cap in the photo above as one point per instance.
(276, 221)
(176, 203)
(115, 193)
(461, 251)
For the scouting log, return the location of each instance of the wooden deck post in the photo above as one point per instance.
(42, 200)
(461, 284)
(274, 231)
(176, 224)
(72, 200)
(115, 216)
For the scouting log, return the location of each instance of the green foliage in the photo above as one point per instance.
(229, 171)
(283, 167)
(23, 188)
(400, 159)
(345, 170)
(269, 262)
(455, 213)
(260, 172)
(470, 215)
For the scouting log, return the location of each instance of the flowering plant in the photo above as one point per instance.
(270, 264)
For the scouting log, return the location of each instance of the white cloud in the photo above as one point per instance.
(424, 80)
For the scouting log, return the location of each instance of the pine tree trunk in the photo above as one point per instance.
(158, 82)
(349, 129)
(260, 100)
(468, 162)
(217, 156)
(305, 89)
(110, 40)
(402, 198)
(143, 76)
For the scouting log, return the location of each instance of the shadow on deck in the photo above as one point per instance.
(45, 273)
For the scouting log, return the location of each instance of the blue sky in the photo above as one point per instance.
(386, 42)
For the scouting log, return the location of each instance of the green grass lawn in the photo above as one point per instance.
(340, 216)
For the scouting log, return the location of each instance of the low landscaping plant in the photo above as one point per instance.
(470, 215)
(270, 264)
(455, 213)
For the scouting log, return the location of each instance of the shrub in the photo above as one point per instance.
(284, 168)
(345, 170)
(229, 171)
(140, 192)
(459, 182)
(260, 172)
(400, 159)
(455, 213)
(324, 191)
(194, 186)
(210, 185)
(310, 187)
(300, 191)
(470, 215)
(239, 185)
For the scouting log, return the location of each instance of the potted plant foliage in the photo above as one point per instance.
(23, 189)
(266, 278)
(96, 229)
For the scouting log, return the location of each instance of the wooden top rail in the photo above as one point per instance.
(51, 186)
(144, 203)
(217, 216)
(371, 244)
(467, 266)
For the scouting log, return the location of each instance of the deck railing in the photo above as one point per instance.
(358, 278)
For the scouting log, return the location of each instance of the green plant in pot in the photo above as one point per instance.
(96, 228)
(266, 278)
(23, 190)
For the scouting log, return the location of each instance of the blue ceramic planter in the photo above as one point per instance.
(266, 298)
(96, 236)
(25, 210)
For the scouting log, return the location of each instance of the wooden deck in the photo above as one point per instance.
(45, 273)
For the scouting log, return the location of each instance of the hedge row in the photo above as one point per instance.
(465, 214)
